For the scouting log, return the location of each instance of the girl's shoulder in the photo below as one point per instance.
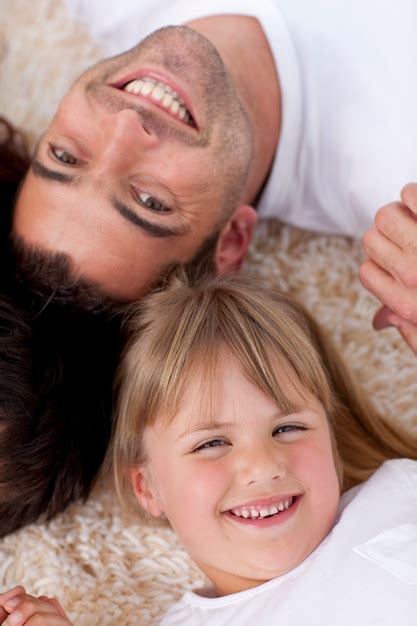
(403, 470)
(394, 479)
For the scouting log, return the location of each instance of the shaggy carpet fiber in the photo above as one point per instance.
(105, 567)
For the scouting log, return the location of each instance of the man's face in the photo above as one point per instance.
(136, 169)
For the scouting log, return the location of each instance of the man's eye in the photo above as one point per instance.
(63, 156)
(287, 428)
(148, 201)
(213, 443)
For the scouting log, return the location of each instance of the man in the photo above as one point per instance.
(160, 151)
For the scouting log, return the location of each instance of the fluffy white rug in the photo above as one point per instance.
(104, 567)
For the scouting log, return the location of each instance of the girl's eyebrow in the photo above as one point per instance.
(213, 425)
(206, 426)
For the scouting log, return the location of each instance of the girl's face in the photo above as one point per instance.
(251, 495)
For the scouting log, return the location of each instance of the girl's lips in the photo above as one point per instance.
(158, 76)
(266, 502)
(263, 522)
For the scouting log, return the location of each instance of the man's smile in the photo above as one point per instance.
(160, 91)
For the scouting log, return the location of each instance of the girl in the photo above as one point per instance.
(239, 423)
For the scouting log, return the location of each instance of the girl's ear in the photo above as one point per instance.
(144, 491)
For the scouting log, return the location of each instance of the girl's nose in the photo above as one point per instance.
(262, 465)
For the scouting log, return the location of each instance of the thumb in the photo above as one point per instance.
(384, 318)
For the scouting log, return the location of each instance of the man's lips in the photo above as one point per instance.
(136, 77)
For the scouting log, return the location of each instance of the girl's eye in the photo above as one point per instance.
(63, 156)
(148, 201)
(213, 443)
(287, 428)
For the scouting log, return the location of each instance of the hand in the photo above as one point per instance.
(17, 608)
(390, 271)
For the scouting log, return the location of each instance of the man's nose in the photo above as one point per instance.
(261, 464)
(124, 140)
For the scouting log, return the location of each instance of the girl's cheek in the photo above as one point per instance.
(207, 482)
(312, 462)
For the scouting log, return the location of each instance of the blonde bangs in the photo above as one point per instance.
(178, 336)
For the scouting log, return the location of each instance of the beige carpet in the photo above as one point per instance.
(104, 568)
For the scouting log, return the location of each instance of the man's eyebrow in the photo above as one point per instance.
(44, 172)
(154, 230)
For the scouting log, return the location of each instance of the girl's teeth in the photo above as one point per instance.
(265, 512)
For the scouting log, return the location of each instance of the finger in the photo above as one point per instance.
(7, 595)
(408, 332)
(409, 196)
(11, 592)
(23, 606)
(386, 254)
(398, 224)
(56, 604)
(388, 291)
(47, 619)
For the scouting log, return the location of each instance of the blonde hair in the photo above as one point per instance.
(180, 331)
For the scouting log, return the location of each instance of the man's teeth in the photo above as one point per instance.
(256, 512)
(161, 93)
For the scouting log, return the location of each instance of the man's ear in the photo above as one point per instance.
(144, 491)
(234, 239)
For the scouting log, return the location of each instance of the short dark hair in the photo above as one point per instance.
(14, 160)
(58, 357)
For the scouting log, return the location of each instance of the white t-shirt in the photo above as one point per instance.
(347, 71)
(363, 573)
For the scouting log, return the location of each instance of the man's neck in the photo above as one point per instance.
(245, 51)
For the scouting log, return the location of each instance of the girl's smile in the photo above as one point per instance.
(262, 514)
(249, 491)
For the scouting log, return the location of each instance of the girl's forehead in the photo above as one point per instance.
(217, 396)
